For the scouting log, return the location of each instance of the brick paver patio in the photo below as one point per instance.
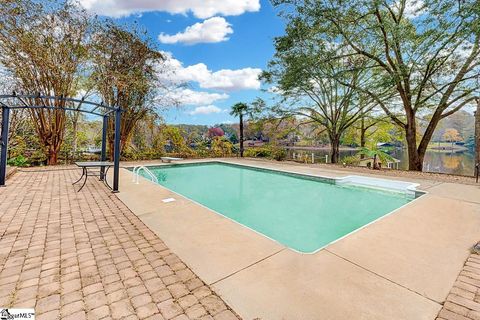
(463, 302)
(87, 256)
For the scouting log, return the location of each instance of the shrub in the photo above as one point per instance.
(221, 147)
(37, 158)
(351, 160)
(257, 152)
(188, 154)
(278, 154)
(201, 150)
(18, 161)
(267, 151)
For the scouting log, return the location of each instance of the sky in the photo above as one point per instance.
(216, 47)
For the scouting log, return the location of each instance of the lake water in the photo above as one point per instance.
(461, 163)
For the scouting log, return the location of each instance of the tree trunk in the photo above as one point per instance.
(52, 142)
(363, 139)
(334, 148)
(375, 162)
(477, 134)
(241, 135)
(415, 156)
(50, 129)
(111, 147)
(52, 156)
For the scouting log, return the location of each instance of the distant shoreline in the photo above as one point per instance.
(444, 148)
(320, 148)
(431, 147)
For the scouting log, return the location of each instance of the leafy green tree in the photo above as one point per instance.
(426, 54)
(45, 48)
(275, 129)
(320, 92)
(174, 137)
(194, 134)
(126, 74)
(368, 127)
(147, 139)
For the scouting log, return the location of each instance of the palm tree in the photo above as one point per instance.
(376, 153)
(239, 110)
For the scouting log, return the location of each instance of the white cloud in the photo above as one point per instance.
(205, 110)
(212, 30)
(464, 50)
(191, 97)
(172, 72)
(413, 8)
(275, 90)
(224, 79)
(200, 8)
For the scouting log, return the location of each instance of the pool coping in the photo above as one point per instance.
(411, 187)
(319, 178)
(257, 277)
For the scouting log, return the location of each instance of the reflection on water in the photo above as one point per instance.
(461, 163)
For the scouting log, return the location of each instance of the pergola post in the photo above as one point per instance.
(103, 155)
(116, 149)
(23, 101)
(4, 145)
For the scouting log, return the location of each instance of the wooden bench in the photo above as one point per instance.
(170, 159)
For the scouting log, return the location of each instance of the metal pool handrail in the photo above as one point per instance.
(136, 174)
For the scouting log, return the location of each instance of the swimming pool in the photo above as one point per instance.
(304, 213)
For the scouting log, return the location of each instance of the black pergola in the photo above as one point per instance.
(38, 101)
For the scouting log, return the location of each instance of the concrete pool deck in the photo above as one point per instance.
(400, 267)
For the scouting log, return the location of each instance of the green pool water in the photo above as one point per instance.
(301, 213)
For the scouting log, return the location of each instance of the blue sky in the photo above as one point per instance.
(218, 47)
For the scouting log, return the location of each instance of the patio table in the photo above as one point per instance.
(102, 173)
